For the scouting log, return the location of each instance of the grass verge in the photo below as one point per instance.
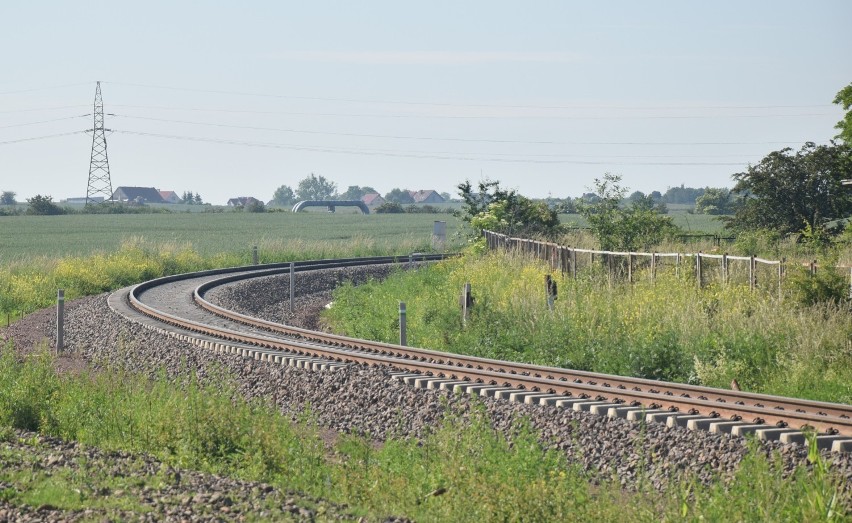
(666, 329)
(464, 471)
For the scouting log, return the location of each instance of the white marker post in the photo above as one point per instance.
(403, 335)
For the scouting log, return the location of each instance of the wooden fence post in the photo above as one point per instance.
(781, 277)
(630, 268)
(677, 264)
(254, 260)
(574, 263)
(654, 267)
(751, 272)
(698, 274)
(725, 269)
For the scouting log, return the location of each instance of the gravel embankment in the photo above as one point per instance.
(141, 488)
(366, 401)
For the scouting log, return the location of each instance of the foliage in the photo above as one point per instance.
(666, 329)
(284, 196)
(204, 424)
(8, 198)
(826, 285)
(844, 99)
(389, 208)
(501, 210)
(354, 192)
(43, 206)
(714, 201)
(681, 194)
(789, 192)
(639, 226)
(190, 198)
(315, 188)
(757, 242)
(398, 195)
(254, 206)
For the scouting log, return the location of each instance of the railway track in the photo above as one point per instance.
(177, 306)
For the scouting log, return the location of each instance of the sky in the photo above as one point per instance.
(237, 98)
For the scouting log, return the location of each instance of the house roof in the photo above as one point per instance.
(372, 197)
(422, 195)
(168, 194)
(149, 194)
(243, 200)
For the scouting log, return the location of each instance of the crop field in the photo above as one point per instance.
(26, 237)
(690, 223)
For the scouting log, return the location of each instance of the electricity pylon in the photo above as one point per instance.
(99, 180)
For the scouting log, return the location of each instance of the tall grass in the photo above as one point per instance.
(666, 329)
(25, 287)
(463, 471)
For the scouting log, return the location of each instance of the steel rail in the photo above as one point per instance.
(756, 408)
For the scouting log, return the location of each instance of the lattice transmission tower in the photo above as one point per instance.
(99, 180)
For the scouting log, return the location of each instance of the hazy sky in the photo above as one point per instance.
(236, 98)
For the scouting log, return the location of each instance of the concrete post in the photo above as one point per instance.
(60, 320)
(466, 303)
(292, 283)
(254, 259)
(403, 335)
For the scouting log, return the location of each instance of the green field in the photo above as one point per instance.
(26, 237)
(690, 223)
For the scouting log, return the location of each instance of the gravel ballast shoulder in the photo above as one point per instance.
(366, 400)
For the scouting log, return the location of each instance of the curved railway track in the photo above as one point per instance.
(177, 305)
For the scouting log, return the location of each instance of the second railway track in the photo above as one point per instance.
(179, 302)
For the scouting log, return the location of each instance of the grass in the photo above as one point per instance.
(690, 223)
(461, 472)
(29, 238)
(89, 254)
(667, 329)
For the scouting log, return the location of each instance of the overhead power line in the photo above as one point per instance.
(45, 121)
(36, 109)
(433, 138)
(442, 104)
(424, 155)
(41, 137)
(44, 88)
(495, 117)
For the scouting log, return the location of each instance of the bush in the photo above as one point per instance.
(389, 208)
(43, 206)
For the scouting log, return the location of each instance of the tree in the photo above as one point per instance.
(682, 194)
(284, 196)
(714, 201)
(844, 99)
(43, 206)
(399, 196)
(315, 188)
(354, 192)
(639, 226)
(197, 199)
(8, 198)
(188, 197)
(793, 192)
(502, 210)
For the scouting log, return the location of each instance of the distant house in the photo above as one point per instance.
(82, 199)
(242, 201)
(373, 199)
(137, 195)
(426, 196)
(170, 197)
